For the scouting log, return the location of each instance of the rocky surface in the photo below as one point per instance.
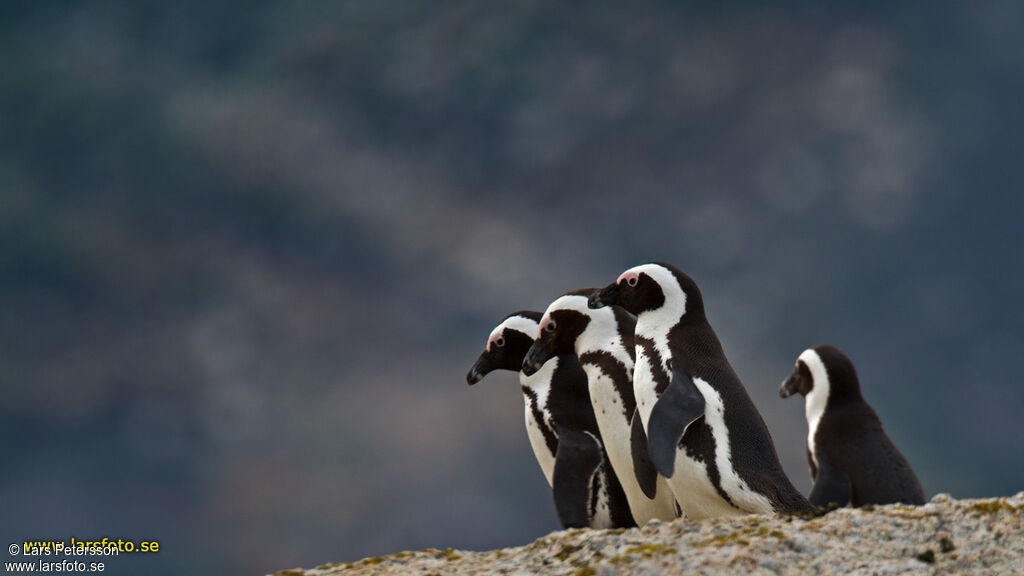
(945, 536)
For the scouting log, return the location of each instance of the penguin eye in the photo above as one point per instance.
(632, 280)
(549, 327)
(499, 342)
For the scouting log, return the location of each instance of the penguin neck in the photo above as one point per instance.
(651, 323)
(688, 338)
(539, 383)
(602, 335)
(815, 403)
(569, 401)
(698, 339)
(608, 363)
(844, 389)
(568, 382)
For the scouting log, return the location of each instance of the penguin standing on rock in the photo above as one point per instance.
(561, 426)
(704, 433)
(851, 458)
(603, 342)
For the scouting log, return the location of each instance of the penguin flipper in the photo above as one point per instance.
(576, 462)
(646, 475)
(831, 485)
(680, 405)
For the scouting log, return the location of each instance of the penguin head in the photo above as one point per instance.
(650, 287)
(564, 320)
(822, 370)
(800, 381)
(506, 346)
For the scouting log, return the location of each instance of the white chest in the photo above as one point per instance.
(539, 385)
(608, 410)
(815, 409)
(540, 447)
(817, 398)
(615, 432)
(653, 329)
(644, 386)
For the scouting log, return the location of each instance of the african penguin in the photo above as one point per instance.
(603, 342)
(851, 458)
(704, 432)
(561, 426)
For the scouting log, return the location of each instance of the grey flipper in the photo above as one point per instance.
(831, 485)
(577, 460)
(678, 407)
(646, 475)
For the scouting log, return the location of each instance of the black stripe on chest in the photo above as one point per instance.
(621, 379)
(595, 492)
(713, 475)
(550, 438)
(656, 362)
(700, 440)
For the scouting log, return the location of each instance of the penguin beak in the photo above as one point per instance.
(607, 296)
(480, 369)
(790, 386)
(538, 354)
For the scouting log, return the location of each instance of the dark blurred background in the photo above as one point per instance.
(248, 250)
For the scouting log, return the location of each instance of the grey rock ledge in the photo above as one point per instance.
(945, 536)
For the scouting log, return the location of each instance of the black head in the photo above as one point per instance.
(563, 322)
(824, 368)
(799, 382)
(506, 346)
(650, 287)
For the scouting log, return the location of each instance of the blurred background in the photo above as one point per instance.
(249, 250)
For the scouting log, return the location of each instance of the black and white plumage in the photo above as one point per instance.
(506, 347)
(704, 432)
(561, 426)
(603, 342)
(851, 458)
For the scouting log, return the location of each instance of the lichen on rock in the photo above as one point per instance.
(944, 536)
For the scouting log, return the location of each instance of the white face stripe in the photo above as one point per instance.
(571, 302)
(601, 333)
(672, 310)
(817, 398)
(576, 303)
(517, 323)
(655, 324)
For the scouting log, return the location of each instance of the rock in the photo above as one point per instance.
(944, 536)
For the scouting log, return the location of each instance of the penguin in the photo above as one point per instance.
(561, 426)
(603, 342)
(704, 433)
(851, 458)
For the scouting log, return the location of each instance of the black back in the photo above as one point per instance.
(851, 439)
(697, 351)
